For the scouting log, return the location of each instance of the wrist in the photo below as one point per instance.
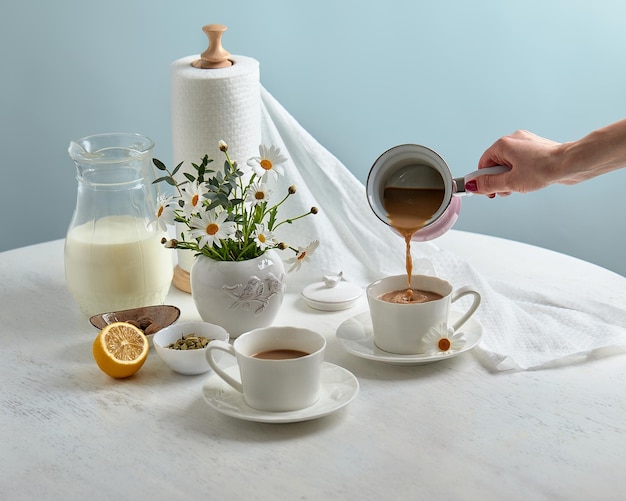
(568, 160)
(599, 152)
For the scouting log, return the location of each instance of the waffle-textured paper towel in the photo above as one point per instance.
(213, 104)
(529, 324)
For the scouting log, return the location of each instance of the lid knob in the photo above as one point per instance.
(215, 56)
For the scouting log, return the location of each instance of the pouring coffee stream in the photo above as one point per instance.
(409, 209)
(411, 188)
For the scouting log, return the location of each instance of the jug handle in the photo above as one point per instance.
(459, 182)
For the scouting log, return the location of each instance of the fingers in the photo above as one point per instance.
(490, 184)
(486, 185)
(502, 194)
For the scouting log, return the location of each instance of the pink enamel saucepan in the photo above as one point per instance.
(416, 166)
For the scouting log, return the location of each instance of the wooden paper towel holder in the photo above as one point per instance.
(215, 56)
(181, 280)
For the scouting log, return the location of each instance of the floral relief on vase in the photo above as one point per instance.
(256, 293)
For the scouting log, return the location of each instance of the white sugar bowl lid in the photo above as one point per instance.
(331, 294)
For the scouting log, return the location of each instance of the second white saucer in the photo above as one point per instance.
(357, 337)
(339, 387)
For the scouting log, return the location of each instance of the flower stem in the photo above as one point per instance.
(291, 220)
(277, 205)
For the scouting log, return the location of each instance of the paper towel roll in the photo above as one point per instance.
(213, 104)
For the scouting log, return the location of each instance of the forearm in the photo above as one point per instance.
(599, 152)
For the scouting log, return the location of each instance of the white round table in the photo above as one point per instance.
(447, 430)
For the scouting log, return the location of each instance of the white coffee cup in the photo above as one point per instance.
(269, 384)
(400, 327)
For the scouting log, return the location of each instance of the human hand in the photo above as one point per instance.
(533, 161)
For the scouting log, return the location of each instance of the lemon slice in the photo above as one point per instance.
(120, 349)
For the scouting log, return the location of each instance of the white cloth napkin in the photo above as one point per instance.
(533, 324)
(528, 324)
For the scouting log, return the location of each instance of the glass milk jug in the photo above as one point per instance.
(114, 259)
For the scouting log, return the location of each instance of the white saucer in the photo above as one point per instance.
(339, 387)
(356, 336)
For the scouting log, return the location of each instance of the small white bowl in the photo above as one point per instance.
(188, 362)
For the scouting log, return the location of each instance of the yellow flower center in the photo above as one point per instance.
(301, 256)
(160, 211)
(212, 229)
(261, 238)
(259, 195)
(194, 200)
(266, 164)
(444, 344)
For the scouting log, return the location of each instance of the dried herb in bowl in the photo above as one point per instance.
(189, 342)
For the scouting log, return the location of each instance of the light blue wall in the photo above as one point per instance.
(361, 76)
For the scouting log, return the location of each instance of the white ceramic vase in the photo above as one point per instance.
(239, 295)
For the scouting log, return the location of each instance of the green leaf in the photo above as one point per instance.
(158, 164)
(176, 168)
(202, 167)
(214, 204)
(224, 200)
(272, 220)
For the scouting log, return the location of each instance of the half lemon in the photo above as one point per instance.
(120, 349)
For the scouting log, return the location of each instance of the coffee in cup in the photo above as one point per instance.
(410, 295)
(399, 327)
(280, 367)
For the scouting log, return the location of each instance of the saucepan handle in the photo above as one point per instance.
(459, 182)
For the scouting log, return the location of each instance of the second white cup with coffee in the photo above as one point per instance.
(280, 367)
(400, 327)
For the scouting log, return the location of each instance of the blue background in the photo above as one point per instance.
(360, 76)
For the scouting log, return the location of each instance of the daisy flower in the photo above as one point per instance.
(442, 339)
(192, 195)
(257, 193)
(225, 217)
(263, 237)
(164, 213)
(211, 228)
(268, 163)
(302, 255)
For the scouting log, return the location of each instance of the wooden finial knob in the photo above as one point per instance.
(215, 56)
